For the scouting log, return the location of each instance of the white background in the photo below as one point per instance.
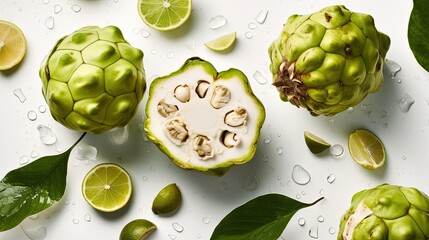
(405, 135)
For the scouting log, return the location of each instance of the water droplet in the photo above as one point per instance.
(34, 231)
(336, 150)
(394, 67)
(248, 35)
(76, 8)
(404, 157)
(301, 221)
(24, 159)
(86, 152)
(331, 178)
(45, 1)
(267, 140)
(206, 220)
(191, 45)
(280, 150)
(154, 51)
(145, 178)
(170, 54)
(46, 135)
(300, 175)
(144, 33)
(32, 115)
(172, 237)
(265, 158)
(34, 217)
(251, 25)
(18, 93)
(320, 218)
(314, 232)
(405, 103)
(298, 196)
(42, 109)
(50, 22)
(217, 22)
(259, 77)
(119, 135)
(331, 230)
(321, 191)
(87, 217)
(57, 8)
(251, 182)
(262, 16)
(399, 80)
(198, 236)
(75, 221)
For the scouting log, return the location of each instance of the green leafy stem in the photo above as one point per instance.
(263, 218)
(33, 188)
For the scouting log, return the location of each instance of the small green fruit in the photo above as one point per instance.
(167, 200)
(138, 229)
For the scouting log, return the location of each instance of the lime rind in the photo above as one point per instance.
(167, 200)
(13, 45)
(222, 43)
(107, 187)
(366, 149)
(164, 15)
(315, 144)
(138, 229)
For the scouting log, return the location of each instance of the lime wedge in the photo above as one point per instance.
(167, 200)
(367, 149)
(137, 229)
(107, 187)
(164, 15)
(13, 45)
(222, 43)
(315, 143)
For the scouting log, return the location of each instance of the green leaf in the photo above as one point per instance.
(263, 218)
(418, 30)
(33, 188)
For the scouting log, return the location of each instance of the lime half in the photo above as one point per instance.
(164, 15)
(107, 187)
(137, 229)
(13, 45)
(222, 43)
(367, 149)
(315, 143)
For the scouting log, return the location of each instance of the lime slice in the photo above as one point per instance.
(222, 43)
(107, 187)
(137, 229)
(13, 45)
(366, 149)
(164, 15)
(315, 143)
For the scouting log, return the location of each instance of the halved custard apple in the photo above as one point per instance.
(204, 120)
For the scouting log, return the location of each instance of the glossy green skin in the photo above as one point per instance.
(398, 213)
(223, 167)
(338, 55)
(93, 80)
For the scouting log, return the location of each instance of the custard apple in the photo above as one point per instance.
(93, 80)
(328, 61)
(204, 120)
(386, 212)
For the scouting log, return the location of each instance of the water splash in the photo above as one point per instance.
(50, 22)
(405, 103)
(177, 227)
(262, 16)
(259, 77)
(314, 232)
(32, 115)
(57, 8)
(19, 94)
(336, 150)
(86, 152)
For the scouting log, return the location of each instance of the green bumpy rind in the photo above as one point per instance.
(338, 55)
(397, 213)
(93, 80)
(223, 167)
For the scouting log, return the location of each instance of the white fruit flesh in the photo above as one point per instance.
(219, 127)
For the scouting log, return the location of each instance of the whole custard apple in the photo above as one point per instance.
(386, 212)
(93, 80)
(328, 61)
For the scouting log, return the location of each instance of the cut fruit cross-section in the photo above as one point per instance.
(13, 45)
(367, 149)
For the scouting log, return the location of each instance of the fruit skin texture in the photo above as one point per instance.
(167, 200)
(138, 229)
(93, 80)
(392, 212)
(328, 61)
